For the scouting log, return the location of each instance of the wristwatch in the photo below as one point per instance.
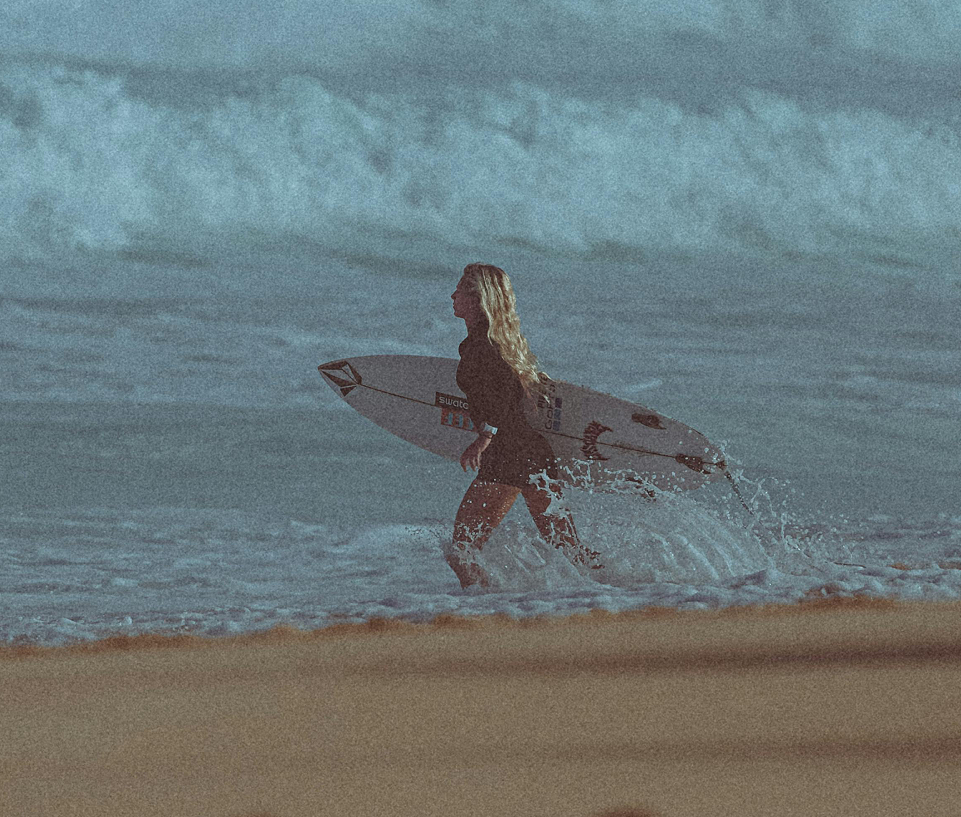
(488, 430)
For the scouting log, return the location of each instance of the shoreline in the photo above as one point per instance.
(447, 622)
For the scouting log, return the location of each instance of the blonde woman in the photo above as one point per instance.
(496, 372)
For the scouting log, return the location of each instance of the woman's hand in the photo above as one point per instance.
(472, 454)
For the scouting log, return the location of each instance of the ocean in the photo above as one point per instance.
(744, 214)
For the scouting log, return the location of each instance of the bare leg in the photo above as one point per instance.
(558, 528)
(483, 508)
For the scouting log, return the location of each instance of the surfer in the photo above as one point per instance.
(496, 371)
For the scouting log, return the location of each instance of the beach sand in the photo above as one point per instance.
(845, 707)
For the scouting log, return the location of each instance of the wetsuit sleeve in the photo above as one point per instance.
(490, 386)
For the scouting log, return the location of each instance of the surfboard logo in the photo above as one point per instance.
(450, 401)
(549, 406)
(649, 420)
(591, 433)
(342, 374)
(454, 411)
(456, 419)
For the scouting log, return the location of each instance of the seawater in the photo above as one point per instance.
(743, 215)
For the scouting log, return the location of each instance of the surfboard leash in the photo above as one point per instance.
(737, 491)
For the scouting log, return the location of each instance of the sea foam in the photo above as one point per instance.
(133, 158)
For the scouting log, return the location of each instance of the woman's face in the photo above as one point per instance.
(466, 303)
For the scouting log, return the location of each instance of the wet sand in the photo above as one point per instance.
(837, 708)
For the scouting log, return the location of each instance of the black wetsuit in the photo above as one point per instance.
(495, 396)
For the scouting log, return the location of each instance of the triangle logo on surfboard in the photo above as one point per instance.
(342, 374)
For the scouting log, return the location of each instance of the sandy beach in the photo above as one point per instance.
(846, 707)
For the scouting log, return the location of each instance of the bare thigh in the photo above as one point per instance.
(483, 508)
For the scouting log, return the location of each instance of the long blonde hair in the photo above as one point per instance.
(497, 301)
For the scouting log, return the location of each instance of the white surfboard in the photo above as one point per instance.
(600, 441)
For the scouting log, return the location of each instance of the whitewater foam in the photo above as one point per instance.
(90, 574)
(90, 167)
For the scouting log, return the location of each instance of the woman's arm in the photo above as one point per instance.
(485, 380)
(490, 387)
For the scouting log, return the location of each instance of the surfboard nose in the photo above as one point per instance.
(342, 375)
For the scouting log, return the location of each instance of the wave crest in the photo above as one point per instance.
(93, 163)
